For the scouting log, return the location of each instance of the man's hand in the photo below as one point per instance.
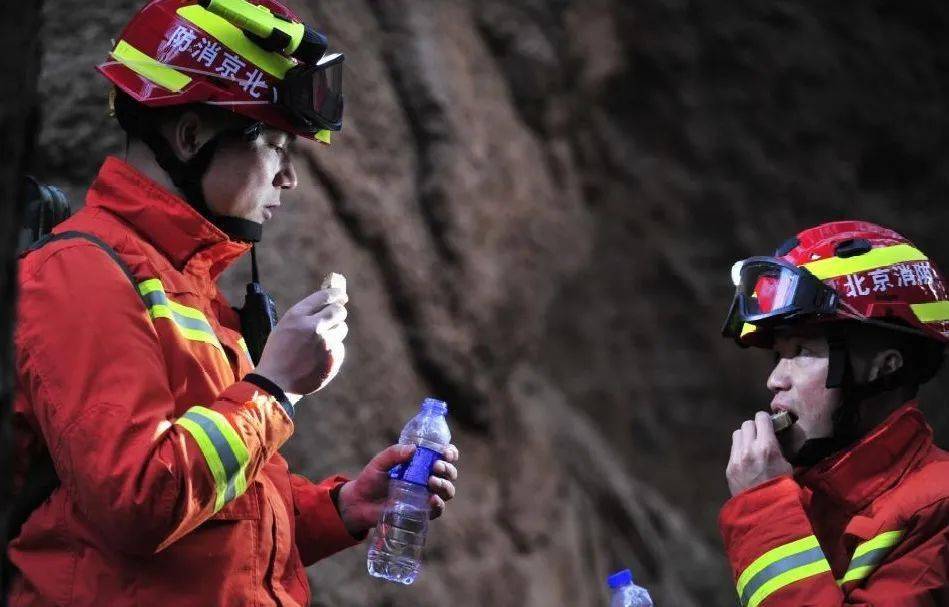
(305, 349)
(756, 455)
(361, 500)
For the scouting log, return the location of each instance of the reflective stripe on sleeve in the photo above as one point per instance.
(780, 567)
(869, 555)
(223, 450)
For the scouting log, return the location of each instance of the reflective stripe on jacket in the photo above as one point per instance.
(867, 527)
(172, 490)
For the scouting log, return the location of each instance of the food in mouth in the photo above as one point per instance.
(782, 421)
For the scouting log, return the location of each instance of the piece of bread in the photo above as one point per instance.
(334, 281)
(782, 421)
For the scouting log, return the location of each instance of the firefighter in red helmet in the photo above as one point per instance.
(147, 426)
(850, 504)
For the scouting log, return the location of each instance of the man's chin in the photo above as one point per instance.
(791, 441)
(801, 450)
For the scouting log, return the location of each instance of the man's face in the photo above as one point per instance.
(798, 383)
(246, 180)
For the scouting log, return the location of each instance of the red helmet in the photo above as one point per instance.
(176, 52)
(843, 270)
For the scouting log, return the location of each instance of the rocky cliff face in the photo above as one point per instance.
(536, 204)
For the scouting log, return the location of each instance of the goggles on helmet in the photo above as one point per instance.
(313, 94)
(771, 291)
(312, 91)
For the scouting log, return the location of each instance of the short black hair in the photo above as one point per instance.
(133, 117)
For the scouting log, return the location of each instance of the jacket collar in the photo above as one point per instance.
(165, 220)
(859, 475)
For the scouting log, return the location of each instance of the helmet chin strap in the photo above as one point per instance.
(239, 229)
(188, 175)
(846, 419)
(847, 416)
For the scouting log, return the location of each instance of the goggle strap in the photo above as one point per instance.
(838, 360)
(732, 325)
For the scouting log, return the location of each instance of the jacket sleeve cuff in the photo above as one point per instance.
(273, 389)
(320, 530)
(761, 518)
(247, 405)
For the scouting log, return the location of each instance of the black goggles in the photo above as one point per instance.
(771, 291)
(313, 94)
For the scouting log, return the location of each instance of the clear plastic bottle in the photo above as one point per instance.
(395, 550)
(625, 593)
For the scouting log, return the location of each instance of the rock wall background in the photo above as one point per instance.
(536, 204)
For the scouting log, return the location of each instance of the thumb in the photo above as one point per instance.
(391, 456)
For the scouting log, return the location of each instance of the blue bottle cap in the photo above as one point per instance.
(438, 406)
(620, 578)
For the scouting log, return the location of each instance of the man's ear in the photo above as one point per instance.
(885, 363)
(185, 136)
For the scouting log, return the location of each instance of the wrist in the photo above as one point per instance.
(345, 503)
(745, 485)
(272, 388)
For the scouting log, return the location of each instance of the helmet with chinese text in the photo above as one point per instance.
(872, 275)
(177, 52)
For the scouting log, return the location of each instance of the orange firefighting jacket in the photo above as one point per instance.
(868, 527)
(171, 487)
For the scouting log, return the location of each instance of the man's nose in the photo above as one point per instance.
(779, 379)
(287, 177)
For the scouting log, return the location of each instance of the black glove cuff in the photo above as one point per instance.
(271, 388)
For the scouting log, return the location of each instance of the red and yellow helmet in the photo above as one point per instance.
(176, 52)
(843, 270)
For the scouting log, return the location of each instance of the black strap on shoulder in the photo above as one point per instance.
(72, 234)
(41, 479)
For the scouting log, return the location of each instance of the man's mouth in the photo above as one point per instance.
(268, 210)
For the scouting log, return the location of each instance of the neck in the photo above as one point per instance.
(870, 413)
(143, 160)
(877, 408)
(141, 157)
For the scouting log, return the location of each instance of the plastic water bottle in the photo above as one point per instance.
(625, 592)
(395, 551)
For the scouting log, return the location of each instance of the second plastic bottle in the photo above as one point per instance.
(395, 551)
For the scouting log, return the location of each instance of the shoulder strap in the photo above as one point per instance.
(41, 479)
(72, 234)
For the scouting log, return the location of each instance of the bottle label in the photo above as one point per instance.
(418, 469)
